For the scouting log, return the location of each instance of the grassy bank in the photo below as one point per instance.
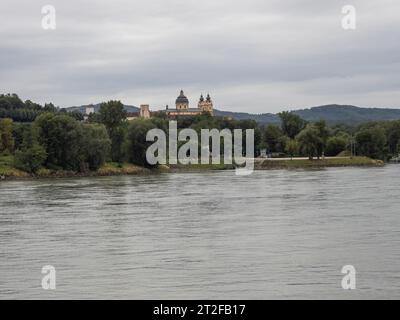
(8, 171)
(200, 167)
(305, 163)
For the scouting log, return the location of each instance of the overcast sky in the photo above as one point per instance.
(251, 56)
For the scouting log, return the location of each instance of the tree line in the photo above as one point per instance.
(62, 141)
(11, 106)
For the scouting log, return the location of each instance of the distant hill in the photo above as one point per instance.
(97, 108)
(261, 117)
(332, 114)
(348, 114)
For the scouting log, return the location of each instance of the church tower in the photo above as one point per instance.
(206, 105)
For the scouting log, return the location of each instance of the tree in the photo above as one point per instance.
(11, 101)
(272, 137)
(6, 136)
(371, 142)
(32, 155)
(96, 144)
(76, 115)
(68, 144)
(94, 118)
(49, 107)
(309, 140)
(113, 115)
(393, 136)
(62, 138)
(291, 123)
(292, 147)
(323, 134)
(11, 106)
(250, 124)
(117, 143)
(336, 145)
(136, 144)
(20, 130)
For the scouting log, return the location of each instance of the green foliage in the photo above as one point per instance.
(49, 107)
(96, 144)
(160, 123)
(113, 115)
(371, 142)
(20, 130)
(76, 115)
(291, 123)
(292, 147)
(309, 140)
(348, 115)
(6, 136)
(10, 101)
(31, 155)
(336, 145)
(58, 140)
(322, 163)
(71, 145)
(7, 168)
(250, 124)
(323, 134)
(136, 144)
(393, 137)
(117, 143)
(94, 118)
(273, 137)
(11, 106)
(62, 138)
(30, 159)
(159, 115)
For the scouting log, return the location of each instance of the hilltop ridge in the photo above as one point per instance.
(332, 114)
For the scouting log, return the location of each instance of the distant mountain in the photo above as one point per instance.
(97, 108)
(261, 117)
(348, 114)
(332, 114)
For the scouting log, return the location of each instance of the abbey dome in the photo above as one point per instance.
(182, 98)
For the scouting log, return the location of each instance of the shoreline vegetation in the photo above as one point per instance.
(48, 142)
(9, 172)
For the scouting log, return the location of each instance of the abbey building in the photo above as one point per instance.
(182, 107)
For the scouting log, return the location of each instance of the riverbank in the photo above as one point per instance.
(8, 171)
(265, 164)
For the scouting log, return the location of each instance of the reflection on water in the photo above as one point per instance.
(274, 234)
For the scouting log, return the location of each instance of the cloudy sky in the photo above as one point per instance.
(252, 56)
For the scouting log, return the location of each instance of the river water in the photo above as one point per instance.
(209, 235)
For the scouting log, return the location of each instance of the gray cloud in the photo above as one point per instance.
(255, 56)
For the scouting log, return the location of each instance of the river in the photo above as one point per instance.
(210, 235)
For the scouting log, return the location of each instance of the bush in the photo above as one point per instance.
(335, 145)
(30, 159)
(6, 136)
